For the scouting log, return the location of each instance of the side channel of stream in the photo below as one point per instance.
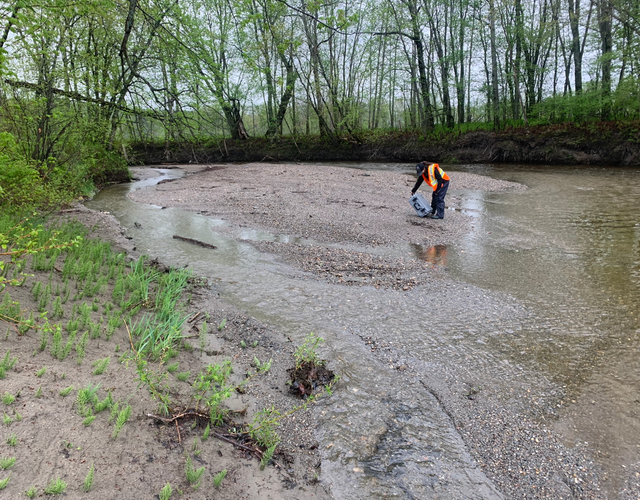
(541, 299)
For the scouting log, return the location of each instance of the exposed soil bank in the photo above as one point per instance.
(602, 143)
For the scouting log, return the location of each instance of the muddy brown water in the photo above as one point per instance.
(545, 289)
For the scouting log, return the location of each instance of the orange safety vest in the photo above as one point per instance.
(431, 180)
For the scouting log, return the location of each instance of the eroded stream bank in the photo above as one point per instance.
(491, 370)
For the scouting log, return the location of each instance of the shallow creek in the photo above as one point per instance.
(543, 295)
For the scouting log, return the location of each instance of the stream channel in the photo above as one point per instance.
(541, 300)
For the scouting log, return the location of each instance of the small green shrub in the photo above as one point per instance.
(307, 352)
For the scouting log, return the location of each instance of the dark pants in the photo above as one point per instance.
(437, 200)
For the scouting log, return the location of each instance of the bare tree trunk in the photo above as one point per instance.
(574, 19)
(495, 96)
(605, 14)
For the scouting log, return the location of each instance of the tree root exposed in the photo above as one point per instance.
(229, 438)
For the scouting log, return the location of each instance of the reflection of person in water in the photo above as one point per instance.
(436, 254)
(438, 180)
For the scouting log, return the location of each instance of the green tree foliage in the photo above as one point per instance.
(79, 80)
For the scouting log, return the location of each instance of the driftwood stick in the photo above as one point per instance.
(195, 242)
(234, 443)
(176, 417)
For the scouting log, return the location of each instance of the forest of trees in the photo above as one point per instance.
(78, 80)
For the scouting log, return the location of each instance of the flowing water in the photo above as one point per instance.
(544, 289)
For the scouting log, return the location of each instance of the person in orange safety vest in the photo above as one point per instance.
(435, 177)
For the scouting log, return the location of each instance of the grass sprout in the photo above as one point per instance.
(65, 392)
(89, 420)
(8, 399)
(218, 478)
(166, 492)
(56, 487)
(88, 480)
(100, 365)
(7, 362)
(122, 418)
(194, 476)
(267, 456)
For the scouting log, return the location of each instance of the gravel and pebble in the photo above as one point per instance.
(345, 217)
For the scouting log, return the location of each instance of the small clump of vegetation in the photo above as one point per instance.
(56, 487)
(309, 372)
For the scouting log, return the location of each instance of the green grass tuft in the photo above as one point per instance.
(166, 492)
(56, 487)
(65, 392)
(4, 482)
(8, 399)
(88, 481)
(100, 365)
(194, 476)
(217, 479)
(122, 418)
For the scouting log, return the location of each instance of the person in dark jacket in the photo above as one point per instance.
(438, 180)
